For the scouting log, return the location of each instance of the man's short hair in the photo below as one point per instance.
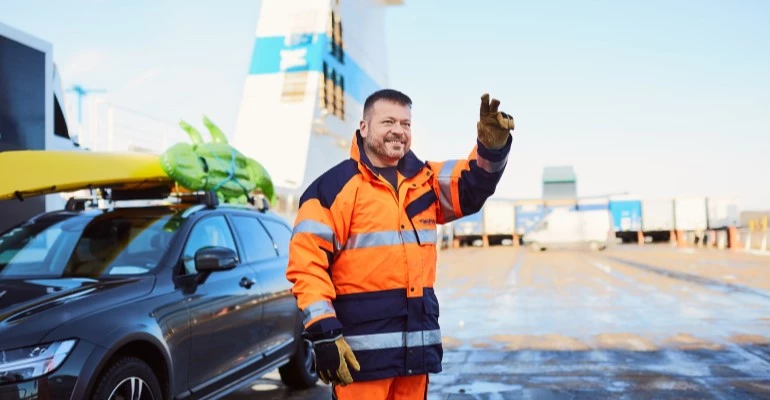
(391, 95)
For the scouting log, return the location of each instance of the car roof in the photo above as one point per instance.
(180, 210)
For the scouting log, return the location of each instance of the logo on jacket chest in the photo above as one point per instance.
(427, 221)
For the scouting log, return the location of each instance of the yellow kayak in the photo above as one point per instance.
(36, 172)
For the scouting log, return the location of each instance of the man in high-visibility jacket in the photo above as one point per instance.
(362, 258)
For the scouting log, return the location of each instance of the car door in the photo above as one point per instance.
(269, 245)
(224, 309)
(280, 311)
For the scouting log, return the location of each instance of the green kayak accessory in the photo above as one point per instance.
(216, 166)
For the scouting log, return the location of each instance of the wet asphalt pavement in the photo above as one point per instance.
(632, 322)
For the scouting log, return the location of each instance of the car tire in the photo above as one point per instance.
(124, 372)
(300, 372)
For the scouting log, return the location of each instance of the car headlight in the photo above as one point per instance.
(33, 361)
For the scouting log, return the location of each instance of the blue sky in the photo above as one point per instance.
(600, 85)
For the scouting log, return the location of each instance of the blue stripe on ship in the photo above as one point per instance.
(307, 52)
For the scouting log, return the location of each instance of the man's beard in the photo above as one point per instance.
(381, 149)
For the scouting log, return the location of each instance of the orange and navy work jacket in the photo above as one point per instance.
(362, 257)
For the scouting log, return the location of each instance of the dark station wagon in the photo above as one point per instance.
(162, 300)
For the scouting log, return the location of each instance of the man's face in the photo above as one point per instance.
(387, 132)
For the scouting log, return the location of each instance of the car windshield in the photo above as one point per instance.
(111, 243)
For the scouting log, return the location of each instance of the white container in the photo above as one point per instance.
(690, 214)
(657, 215)
(499, 217)
(568, 227)
(722, 212)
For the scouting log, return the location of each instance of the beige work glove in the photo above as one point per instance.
(331, 359)
(494, 126)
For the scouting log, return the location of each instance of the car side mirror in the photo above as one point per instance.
(214, 258)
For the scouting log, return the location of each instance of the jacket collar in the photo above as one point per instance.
(408, 166)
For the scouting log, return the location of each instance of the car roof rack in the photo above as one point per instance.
(209, 199)
(99, 197)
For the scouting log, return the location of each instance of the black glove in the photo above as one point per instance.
(331, 360)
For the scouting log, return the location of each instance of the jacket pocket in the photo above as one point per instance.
(430, 301)
(424, 202)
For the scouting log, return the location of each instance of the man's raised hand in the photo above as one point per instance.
(494, 126)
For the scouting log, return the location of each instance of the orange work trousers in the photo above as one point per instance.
(397, 388)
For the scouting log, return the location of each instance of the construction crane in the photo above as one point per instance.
(82, 92)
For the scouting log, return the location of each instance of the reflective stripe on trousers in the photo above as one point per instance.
(380, 341)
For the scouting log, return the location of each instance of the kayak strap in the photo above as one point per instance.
(231, 173)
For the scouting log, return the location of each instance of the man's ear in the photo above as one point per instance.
(363, 127)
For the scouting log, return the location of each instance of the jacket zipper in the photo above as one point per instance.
(396, 193)
(398, 202)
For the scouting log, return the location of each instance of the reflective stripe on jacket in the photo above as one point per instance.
(362, 257)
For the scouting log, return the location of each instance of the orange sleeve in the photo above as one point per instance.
(321, 225)
(311, 253)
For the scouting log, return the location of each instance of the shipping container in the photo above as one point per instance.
(443, 239)
(626, 214)
(447, 234)
(690, 213)
(469, 225)
(657, 215)
(499, 217)
(527, 216)
(593, 203)
(722, 212)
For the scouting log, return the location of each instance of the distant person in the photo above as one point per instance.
(363, 254)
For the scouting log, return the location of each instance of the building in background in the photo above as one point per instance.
(559, 183)
(32, 112)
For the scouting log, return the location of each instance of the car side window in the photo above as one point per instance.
(257, 244)
(281, 235)
(212, 231)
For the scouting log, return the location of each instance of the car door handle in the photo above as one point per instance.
(247, 283)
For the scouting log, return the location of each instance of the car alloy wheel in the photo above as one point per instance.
(132, 388)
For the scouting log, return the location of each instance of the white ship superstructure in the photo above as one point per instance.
(314, 62)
